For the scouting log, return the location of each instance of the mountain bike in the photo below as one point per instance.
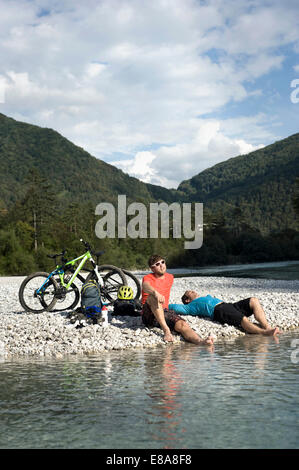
(132, 281)
(42, 291)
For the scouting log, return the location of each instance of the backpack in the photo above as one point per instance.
(91, 303)
(124, 307)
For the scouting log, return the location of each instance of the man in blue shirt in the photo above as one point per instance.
(235, 314)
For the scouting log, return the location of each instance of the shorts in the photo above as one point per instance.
(149, 318)
(232, 313)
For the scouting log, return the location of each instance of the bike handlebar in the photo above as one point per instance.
(88, 247)
(58, 254)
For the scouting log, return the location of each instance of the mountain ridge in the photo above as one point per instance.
(260, 184)
(263, 180)
(71, 169)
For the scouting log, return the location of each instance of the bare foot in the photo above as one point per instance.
(209, 341)
(271, 332)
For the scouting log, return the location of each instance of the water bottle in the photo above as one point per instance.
(104, 316)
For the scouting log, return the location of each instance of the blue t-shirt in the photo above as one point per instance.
(202, 306)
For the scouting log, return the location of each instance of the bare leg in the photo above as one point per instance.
(259, 313)
(158, 311)
(190, 335)
(248, 326)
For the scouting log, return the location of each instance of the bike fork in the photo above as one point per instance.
(98, 276)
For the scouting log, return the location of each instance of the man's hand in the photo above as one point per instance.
(148, 289)
(160, 298)
(168, 337)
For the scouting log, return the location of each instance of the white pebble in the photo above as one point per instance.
(52, 334)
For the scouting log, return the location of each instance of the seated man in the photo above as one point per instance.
(155, 297)
(235, 314)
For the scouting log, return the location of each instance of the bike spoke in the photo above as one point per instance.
(35, 298)
(134, 283)
(66, 299)
(113, 279)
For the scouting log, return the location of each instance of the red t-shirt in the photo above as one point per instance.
(160, 284)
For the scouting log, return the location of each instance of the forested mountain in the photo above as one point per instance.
(74, 174)
(258, 187)
(49, 189)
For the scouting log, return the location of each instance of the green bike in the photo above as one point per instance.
(42, 291)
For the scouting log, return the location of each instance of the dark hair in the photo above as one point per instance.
(185, 298)
(153, 259)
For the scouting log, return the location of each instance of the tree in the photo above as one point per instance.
(39, 205)
(296, 196)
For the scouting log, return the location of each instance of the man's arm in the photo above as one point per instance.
(148, 289)
(181, 309)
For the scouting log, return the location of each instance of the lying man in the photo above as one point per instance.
(235, 314)
(156, 288)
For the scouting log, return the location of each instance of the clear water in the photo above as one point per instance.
(242, 395)
(284, 270)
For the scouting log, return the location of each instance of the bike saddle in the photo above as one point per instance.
(98, 253)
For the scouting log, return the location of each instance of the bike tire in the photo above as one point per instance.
(113, 278)
(133, 282)
(66, 301)
(27, 293)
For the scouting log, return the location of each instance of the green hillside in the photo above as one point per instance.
(259, 186)
(49, 189)
(73, 172)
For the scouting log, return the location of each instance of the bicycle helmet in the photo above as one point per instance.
(125, 293)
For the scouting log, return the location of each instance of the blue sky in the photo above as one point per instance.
(160, 89)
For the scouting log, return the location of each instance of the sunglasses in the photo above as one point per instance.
(158, 263)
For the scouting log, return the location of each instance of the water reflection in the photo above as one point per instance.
(166, 386)
(257, 347)
(165, 413)
(244, 394)
(191, 391)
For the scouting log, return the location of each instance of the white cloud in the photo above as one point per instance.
(2, 89)
(168, 166)
(139, 166)
(94, 69)
(124, 76)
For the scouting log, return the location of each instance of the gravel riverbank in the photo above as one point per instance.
(52, 334)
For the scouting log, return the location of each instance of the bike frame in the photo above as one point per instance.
(60, 270)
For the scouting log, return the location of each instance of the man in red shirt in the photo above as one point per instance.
(156, 288)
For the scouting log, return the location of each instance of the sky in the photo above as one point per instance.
(162, 89)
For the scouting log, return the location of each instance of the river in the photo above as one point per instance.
(244, 394)
(285, 270)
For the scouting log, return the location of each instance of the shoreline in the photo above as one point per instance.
(51, 334)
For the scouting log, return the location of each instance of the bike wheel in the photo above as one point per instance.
(134, 283)
(113, 278)
(35, 302)
(66, 299)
